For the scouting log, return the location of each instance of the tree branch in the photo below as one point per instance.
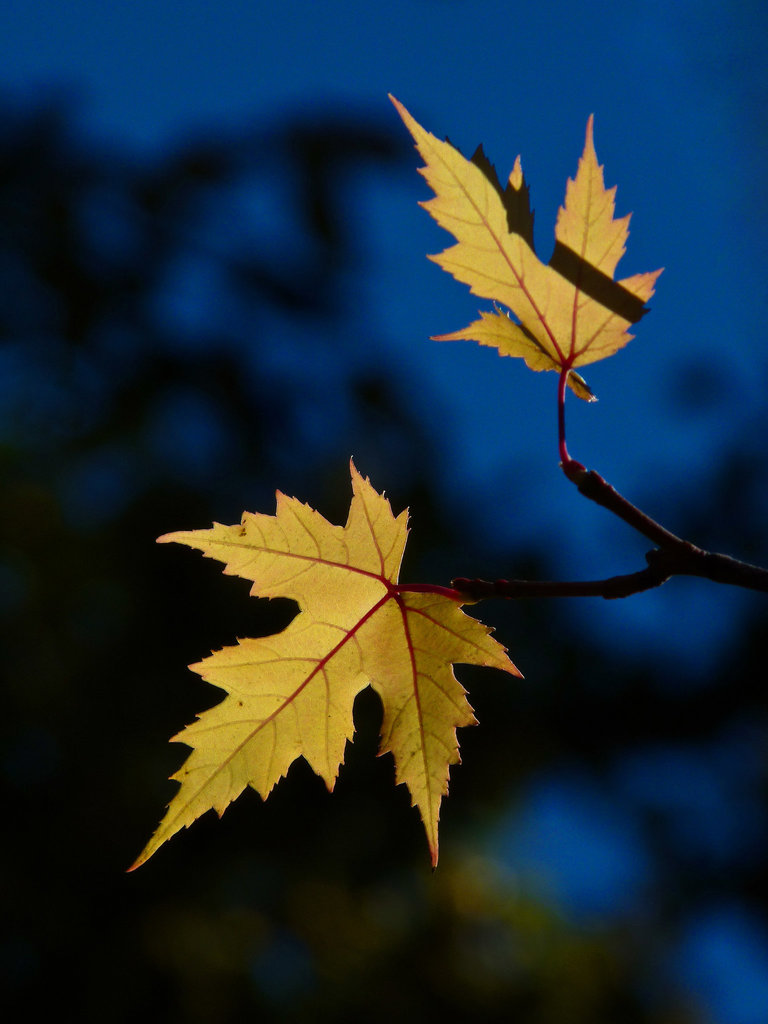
(673, 556)
(594, 487)
(615, 586)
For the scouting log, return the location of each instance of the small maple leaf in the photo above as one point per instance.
(569, 312)
(291, 694)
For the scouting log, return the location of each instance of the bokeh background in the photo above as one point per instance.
(214, 285)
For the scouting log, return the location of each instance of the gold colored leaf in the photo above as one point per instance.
(569, 312)
(291, 695)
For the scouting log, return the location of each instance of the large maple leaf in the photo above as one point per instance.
(569, 312)
(291, 694)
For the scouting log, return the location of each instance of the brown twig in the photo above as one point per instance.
(672, 556)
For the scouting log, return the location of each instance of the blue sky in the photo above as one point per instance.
(678, 92)
(679, 95)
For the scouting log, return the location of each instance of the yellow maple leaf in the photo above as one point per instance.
(291, 694)
(569, 312)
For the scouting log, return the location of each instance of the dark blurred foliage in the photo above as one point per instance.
(171, 354)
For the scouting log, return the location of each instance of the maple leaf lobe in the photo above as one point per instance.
(515, 197)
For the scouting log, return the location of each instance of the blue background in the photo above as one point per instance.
(679, 95)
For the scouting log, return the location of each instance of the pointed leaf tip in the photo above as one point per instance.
(516, 174)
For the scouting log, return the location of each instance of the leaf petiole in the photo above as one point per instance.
(568, 464)
(429, 588)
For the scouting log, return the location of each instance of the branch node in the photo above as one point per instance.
(574, 470)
